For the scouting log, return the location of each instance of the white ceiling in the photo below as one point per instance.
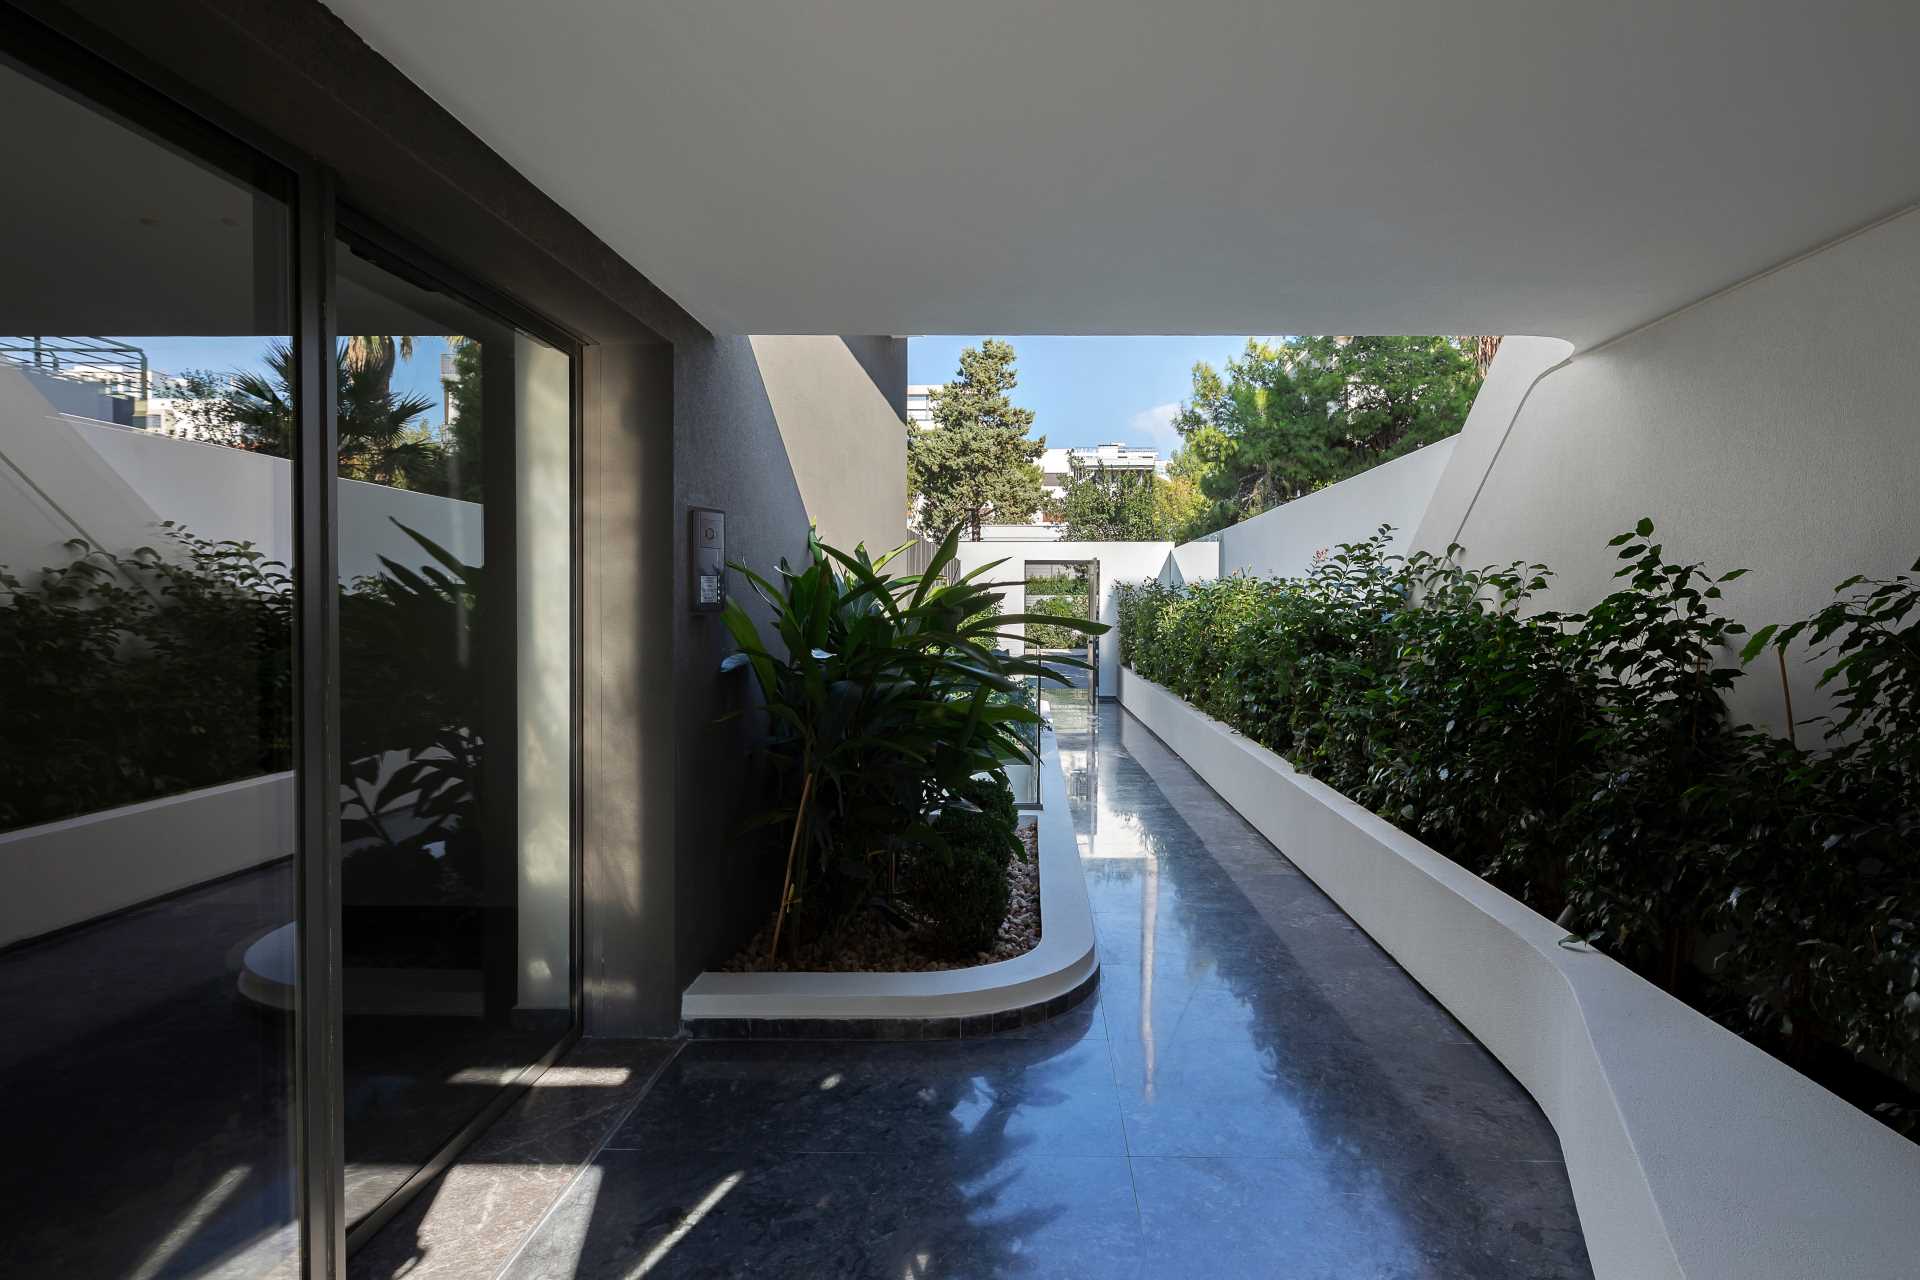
(1187, 166)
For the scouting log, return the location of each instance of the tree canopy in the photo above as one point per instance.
(976, 462)
(1110, 504)
(1287, 418)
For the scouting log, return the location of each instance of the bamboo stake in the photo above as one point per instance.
(1786, 691)
(786, 885)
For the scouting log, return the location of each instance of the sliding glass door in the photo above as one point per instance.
(147, 693)
(245, 1009)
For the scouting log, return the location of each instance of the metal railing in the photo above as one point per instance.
(116, 367)
(916, 558)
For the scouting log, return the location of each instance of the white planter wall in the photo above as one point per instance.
(1691, 1152)
(63, 873)
(1064, 959)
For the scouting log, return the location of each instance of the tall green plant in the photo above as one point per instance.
(883, 695)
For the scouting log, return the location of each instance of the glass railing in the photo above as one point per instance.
(1024, 775)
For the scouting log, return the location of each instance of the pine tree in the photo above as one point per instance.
(976, 462)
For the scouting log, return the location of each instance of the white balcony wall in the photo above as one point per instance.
(63, 478)
(77, 869)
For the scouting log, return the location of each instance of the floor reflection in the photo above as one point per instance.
(146, 1100)
(1256, 1090)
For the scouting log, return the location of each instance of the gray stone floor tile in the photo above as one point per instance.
(960, 1210)
(1256, 1089)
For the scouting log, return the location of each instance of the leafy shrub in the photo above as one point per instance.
(1056, 595)
(129, 678)
(884, 695)
(1586, 763)
(958, 878)
(1824, 904)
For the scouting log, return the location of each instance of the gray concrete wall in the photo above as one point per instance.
(1769, 427)
(776, 432)
(840, 405)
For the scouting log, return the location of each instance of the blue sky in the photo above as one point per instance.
(1090, 390)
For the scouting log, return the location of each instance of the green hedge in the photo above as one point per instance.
(1046, 635)
(134, 677)
(1586, 764)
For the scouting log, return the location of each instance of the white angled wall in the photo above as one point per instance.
(63, 477)
(1282, 542)
(1774, 427)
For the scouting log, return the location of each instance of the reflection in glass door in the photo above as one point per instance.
(147, 687)
(456, 687)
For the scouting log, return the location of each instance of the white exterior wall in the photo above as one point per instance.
(1770, 427)
(1282, 542)
(1022, 532)
(63, 478)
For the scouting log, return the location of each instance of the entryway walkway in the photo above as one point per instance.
(1256, 1090)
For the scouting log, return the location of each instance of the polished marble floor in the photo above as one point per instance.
(1256, 1090)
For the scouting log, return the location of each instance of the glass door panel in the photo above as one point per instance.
(147, 687)
(456, 712)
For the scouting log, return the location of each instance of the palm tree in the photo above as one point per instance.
(382, 437)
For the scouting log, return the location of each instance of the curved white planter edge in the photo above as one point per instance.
(1691, 1152)
(1044, 981)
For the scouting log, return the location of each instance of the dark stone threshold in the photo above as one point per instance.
(974, 1027)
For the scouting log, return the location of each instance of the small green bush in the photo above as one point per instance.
(958, 880)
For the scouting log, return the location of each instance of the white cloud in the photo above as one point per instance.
(1155, 426)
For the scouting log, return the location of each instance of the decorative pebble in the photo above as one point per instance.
(872, 944)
